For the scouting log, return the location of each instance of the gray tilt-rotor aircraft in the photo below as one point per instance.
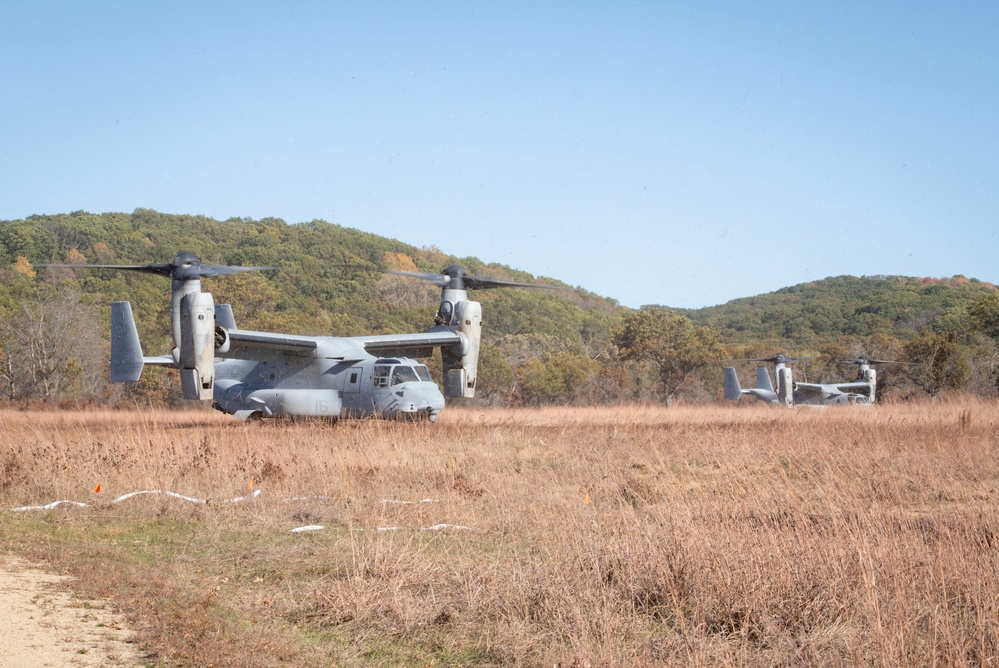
(253, 374)
(764, 390)
(862, 391)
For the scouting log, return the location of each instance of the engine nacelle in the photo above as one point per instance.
(785, 386)
(197, 345)
(221, 340)
(871, 376)
(461, 363)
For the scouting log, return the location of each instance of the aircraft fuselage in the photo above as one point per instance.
(290, 385)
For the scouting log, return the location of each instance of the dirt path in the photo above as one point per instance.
(43, 624)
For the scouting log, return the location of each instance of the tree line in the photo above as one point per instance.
(566, 346)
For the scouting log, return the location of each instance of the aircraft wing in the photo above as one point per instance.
(812, 389)
(417, 345)
(859, 387)
(829, 389)
(244, 343)
(253, 345)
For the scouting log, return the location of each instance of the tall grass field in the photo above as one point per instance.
(629, 536)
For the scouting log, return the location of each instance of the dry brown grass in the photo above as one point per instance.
(615, 536)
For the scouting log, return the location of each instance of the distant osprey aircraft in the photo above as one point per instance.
(788, 393)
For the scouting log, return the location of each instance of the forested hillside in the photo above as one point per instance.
(811, 314)
(924, 323)
(541, 346)
(327, 285)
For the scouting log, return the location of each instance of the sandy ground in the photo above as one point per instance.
(43, 624)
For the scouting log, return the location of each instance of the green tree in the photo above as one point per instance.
(495, 380)
(985, 315)
(937, 362)
(671, 343)
(562, 378)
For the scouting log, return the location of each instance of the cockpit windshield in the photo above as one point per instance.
(403, 374)
(386, 375)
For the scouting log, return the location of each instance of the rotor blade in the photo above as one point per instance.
(156, 268)
(210, 270)
(471, 282)
(440, 280)
(864, 360)
(476, 283)
(775, 359)
(206, 270)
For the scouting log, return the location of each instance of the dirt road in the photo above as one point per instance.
(42, 624)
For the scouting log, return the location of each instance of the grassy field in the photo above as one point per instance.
(637, 536)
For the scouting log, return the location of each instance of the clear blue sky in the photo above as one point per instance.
(682, 154)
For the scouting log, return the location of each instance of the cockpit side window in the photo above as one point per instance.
(381, 375)
(423, 373)
(403, 374)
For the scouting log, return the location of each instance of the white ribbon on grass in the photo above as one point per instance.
(124, 497)
(303, 529)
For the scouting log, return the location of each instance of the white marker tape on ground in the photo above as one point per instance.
(54, 504)
(436, 527)
(255, 494)
(175, 495)
(125, 497)
(308, 527)
(409, 502)
(439, 527)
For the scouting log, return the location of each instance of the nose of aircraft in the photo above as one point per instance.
(430, 396)
(425, 398)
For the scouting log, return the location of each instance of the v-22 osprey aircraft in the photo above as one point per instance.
(253, 374)
(860, 392)
(764, 390)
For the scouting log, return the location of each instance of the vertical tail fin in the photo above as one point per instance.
(126, 351)
(763, 381)
(732, 388)
(224, 317)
